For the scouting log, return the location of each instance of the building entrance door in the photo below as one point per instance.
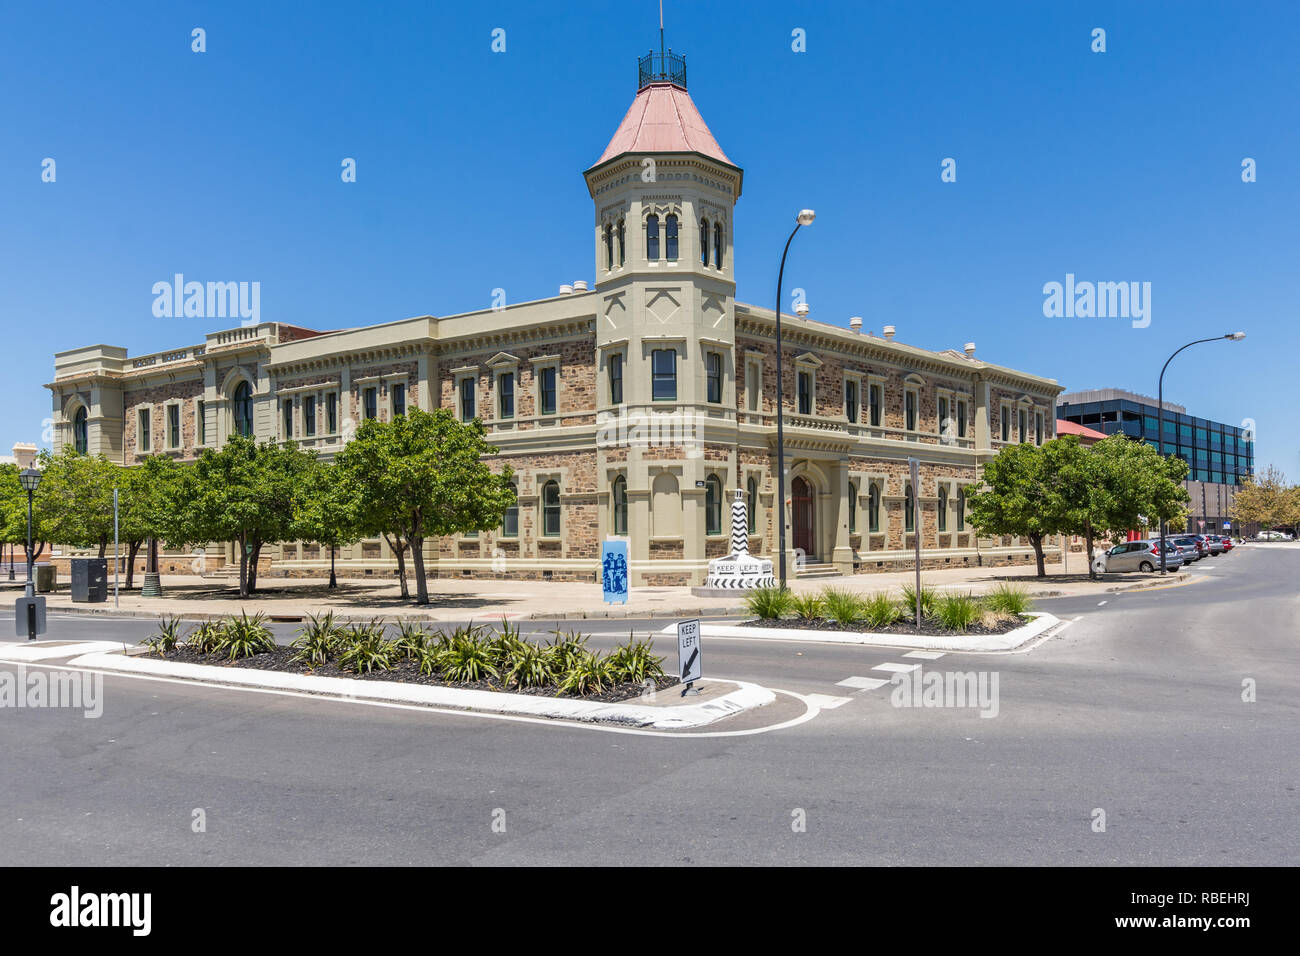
(801, 518)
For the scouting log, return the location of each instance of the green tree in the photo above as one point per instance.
(147, 498)
(13, 514)
(1138, 485)
(75, 499)
(1021, 496)
(244, 493)
(422, 475)
(1264, 500)
(328, 511)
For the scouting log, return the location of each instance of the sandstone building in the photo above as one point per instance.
(631, 408)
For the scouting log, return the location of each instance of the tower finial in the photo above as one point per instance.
(661, 28)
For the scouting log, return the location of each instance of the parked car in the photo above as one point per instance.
(1141, 556)
(1189, 546)
(1227, 544)
(1215, 543)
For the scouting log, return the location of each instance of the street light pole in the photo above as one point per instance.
(804, 218)
(29, 478)
(1160, 400)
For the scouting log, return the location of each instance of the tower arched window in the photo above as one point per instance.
(620, 505)
(80, 432)
(609, 247)
(873, 508)
(717, 245)
(704, 242)
(853, 507)
(622, 242)
(909, 510)
(652, 238)
(943, 509)
(510, 520)
(670, 237)
(242, 407)
(712, 505)
(551, 510)
(751, 505)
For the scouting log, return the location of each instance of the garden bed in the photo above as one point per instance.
(406, 672)
(930, 627)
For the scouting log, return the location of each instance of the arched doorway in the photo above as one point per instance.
(801, 516)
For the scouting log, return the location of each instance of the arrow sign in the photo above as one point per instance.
(689, 665)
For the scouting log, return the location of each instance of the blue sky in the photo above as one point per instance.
(1115, 166)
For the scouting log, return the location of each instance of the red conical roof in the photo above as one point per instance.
(663, 119)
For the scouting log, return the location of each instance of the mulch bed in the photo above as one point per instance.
(406, 672)
(930, 627)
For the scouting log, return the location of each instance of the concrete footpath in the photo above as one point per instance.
(455, 599)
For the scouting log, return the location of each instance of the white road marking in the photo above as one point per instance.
(897, 668)
(1079, 618)
(1208, 567)
(862, 683)
(823, 702)
(1100, 603)
(925, 655)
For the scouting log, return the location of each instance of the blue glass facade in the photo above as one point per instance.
(1214, 452)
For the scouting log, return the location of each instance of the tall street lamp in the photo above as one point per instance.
(1160, 400)
(805, 218)
(29, 478)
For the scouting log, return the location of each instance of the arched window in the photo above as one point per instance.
(961, 509)
(622, 243)
(510, 520)
(943, 509)
(670, 236)
(704, 242)
(551, 510)
(712, 505)
(873, 508)
(80, 435)
(652, 238)
(717, 245)
(853, 507)
(751, 504)
(609, 247)
(620, 505)
(909, 516)
(242, 408)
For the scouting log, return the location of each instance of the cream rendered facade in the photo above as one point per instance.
(636, 407)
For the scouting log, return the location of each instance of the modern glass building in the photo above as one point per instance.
(1215, 453)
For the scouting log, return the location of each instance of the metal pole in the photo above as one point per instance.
(116, 558)
(31, 587)
(915, 465)
(780, 415)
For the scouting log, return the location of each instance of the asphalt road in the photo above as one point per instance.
(1134, 709)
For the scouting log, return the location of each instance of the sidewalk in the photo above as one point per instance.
(454, 599)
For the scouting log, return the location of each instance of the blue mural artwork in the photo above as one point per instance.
(613, 571)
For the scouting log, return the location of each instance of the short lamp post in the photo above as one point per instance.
(1160, 400)
(805, 218)
(30, 478)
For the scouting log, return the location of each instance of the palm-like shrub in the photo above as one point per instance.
(957, 612)
(317, 640)
(1008, 599)
(167, 638)
(770, 604)
(528, 665)
(808, 607)
(205, 638)
(409, 643)
(843, 607)
(635, 662)
(879, 610)
(566, 648)
(468, 657)
(245, 636)
(366, 649)
(587, 673)
(928, 600)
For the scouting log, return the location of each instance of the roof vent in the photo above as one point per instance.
(802, 310)
(580, 285)
(889, 332)
(969, 349)
(855, 323)
(566, 290)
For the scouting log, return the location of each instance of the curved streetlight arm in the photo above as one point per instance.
(780, 416)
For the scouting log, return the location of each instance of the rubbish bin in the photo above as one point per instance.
(45, 576)
(89, 580)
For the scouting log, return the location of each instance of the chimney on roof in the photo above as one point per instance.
(566, 290)
(969, 349)
(580, 285)
(889, 332)
(802, 310)
(855, 323)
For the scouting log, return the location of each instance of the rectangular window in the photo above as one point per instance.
(309, 416)
(332, 413)
(713, 363)
(398, 392)
(201, 423)
(663, 369)
(173, 426)
(546, 389)
(614, 366)
(851, 400)
(805, 393)
(1038, 428)
(909, 409)
(143, 436)
(506, 395)
(944, 424)
(467, 399)
(370, 399)
(961, 419)
(1006, 423)
(1022, 421)
(753, 385)
(873, 401)
(288, 418)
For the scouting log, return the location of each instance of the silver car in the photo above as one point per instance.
(1142, 556)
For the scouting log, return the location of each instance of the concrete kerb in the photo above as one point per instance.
(686, 716)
